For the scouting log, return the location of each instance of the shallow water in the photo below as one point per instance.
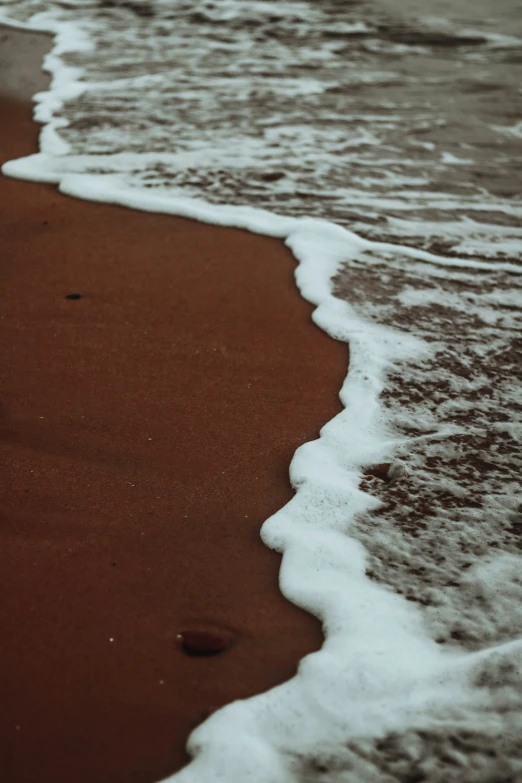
(400, 121)
(388, 118)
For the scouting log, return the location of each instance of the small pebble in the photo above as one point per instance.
(205, 640)
(73, 296)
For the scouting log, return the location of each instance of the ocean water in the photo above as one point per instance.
(381, 141)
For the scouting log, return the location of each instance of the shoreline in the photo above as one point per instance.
(398, 587)
(110, 535)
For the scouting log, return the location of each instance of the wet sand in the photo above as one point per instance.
(147, 430)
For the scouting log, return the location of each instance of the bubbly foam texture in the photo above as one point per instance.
(405, 530)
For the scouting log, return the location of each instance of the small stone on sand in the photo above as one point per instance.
(205, 640)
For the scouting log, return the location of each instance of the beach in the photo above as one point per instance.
(147, 430)
(234, 202)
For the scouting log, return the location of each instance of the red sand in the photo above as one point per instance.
(147, 431)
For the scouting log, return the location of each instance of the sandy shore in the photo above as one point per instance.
(147, 430)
